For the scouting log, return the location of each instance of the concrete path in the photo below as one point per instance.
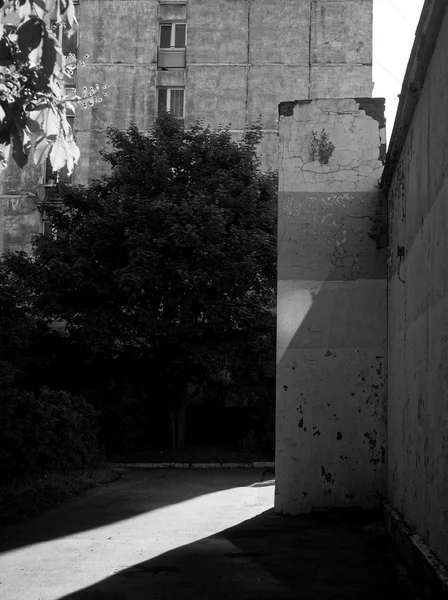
(199, 535)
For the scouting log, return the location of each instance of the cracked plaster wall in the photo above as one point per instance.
(331, 341)
(418, 308)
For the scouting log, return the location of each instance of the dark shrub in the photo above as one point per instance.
(48, 430)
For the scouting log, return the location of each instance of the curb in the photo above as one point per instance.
(427, 571)
(174, 465)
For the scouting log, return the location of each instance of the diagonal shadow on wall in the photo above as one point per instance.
(331, 358)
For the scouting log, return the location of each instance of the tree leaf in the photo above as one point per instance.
(41, 150)
(30, 34)
(73, 154)
(70, 106)
(49, 53)
(25, 9)
(5, 150)
(32, 124)
(35, 56)
(50, 122)
(5, 136)
(66, 12)
(40, 7)
(58, 153)
(18, 153)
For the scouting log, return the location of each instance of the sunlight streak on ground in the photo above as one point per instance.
(55, 568)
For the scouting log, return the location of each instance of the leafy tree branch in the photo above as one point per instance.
(33, 73)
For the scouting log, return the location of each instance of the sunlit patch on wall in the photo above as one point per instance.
(295, 299)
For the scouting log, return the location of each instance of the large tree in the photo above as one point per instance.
(171, 257)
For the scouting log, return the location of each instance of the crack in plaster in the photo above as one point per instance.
(354, 164)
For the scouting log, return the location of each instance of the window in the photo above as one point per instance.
(173, 35)
(171, 100)
(171, 51)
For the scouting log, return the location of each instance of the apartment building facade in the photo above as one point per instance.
(225, 62)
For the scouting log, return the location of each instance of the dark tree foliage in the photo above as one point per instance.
(41, 429)
(171, 260)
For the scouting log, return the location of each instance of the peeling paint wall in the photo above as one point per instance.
(331, 340)
(418, 309)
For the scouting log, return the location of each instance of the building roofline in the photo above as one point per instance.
(426, 36)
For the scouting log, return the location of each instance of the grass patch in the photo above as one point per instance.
(25, 499)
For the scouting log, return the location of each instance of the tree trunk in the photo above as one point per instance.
(180, 442)
(173, 431)
(177, 416)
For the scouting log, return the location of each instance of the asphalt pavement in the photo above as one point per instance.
(196, 535)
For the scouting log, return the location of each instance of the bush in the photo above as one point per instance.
(30, 498)
(48, 430)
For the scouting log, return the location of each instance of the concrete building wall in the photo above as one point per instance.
(19, 221)
(242, 58)
(245, 56)
(331, 341)
(118, 44)
(19, 217)
(418, 301)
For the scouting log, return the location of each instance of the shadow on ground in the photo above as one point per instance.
(138, 492)
(346, 556)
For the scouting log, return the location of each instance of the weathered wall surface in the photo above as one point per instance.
(331, 341)
(19, 221)
(418, 309)
(243, 57)
(118, 43)
(236, 69)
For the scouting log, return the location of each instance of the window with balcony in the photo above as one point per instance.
(172, 45)
(171, 100)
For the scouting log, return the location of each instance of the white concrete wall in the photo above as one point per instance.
(331, 373)
(418, 315)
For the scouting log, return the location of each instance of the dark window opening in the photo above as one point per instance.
(171, 100)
